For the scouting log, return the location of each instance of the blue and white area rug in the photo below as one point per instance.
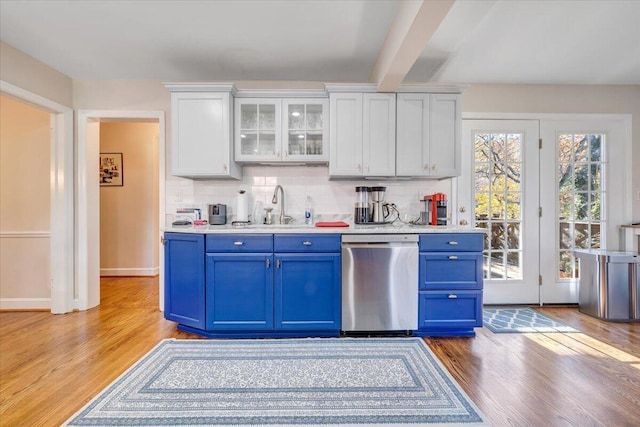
(520, 320)
(287, 382)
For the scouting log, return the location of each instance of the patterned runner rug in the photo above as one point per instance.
(287, 382)
(510, 320)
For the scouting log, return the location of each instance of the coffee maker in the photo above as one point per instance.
(435, 212)
(377, 199)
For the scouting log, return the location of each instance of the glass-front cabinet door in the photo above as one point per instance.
(304, 124)
(257, 129)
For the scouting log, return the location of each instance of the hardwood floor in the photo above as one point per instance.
(51, 365)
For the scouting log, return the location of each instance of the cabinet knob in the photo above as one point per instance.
(453, 296)
(268, 263)
(426, 167)
(453, 257)
(367, 167)
(463, 222)
(278, 263)
(238, 243)
(453, 242)
(433, 167)
(306, 243)
(359, 167)
(462, 209)
(224, 166)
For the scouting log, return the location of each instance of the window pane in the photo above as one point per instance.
(514, 268)
(566, 265)
(267, 113)
(314, 116)
(596, 201)
(482, 206)
(513, 235)
(498, 235)
(595, 147)
(595, 235)
(249, 116)
(296, 116)
(497, 265)
(566, 234)
(482, 147)
(314, 142)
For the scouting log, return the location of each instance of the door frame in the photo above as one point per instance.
(88, 199)
(61, 244)
(625, 173)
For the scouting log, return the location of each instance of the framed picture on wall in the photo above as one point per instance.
(111, 170)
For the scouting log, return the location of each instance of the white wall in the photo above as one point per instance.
(24, 205)
(129, 226)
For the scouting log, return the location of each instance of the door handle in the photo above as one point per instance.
(453, 296)
(238, 243)
(268, 263)
(306, 243)
(278, 263)
(453, 242)
(453, 257)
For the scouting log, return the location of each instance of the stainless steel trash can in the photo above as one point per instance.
(608, 284)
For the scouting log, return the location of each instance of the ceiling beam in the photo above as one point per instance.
(413, 26)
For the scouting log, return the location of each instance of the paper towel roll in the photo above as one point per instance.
(242, 206)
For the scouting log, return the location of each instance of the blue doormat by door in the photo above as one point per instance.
(520, 320)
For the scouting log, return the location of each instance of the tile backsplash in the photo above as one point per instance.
(331, 198)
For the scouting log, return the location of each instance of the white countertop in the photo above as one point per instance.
(295, 228)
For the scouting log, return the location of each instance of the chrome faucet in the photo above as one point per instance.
(283, 218)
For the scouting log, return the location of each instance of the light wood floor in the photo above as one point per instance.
(51, 365)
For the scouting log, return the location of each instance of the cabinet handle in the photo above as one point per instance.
(453, 242)
(238, 243)
(278, 263)
(426, 167)
(306, 243)
(268, 263)
(453, 296)
(453, 257)
(367, 167)
(278, 153)
(359, 167)
(224, 166)
(433, 167)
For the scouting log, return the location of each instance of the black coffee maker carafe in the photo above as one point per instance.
(362, 210)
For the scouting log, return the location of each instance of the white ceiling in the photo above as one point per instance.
(503, 41)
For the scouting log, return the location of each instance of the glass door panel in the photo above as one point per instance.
(305, 129)
(503, 191)
(257, 129)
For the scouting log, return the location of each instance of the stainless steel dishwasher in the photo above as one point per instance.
(379, 282)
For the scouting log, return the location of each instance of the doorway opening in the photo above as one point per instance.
(89, 196)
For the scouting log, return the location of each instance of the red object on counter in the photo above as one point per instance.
(332, 224)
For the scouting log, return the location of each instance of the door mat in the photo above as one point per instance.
(287, 382)
(520, 320)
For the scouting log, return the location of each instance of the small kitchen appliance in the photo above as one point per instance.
(362, 211)
(435, 209)
(217, 214)
(377, 198)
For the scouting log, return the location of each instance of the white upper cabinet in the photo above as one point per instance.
(257, 129)
(305, 124)
(428, 135)
(201, 126)
(273, 130)
(362, 134)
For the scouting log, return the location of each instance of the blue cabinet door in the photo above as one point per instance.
(184, 279)
(307, 295)
(456, 310)
(450, 270)
(239, 292)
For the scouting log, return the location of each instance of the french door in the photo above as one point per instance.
(585, 186)
(499, 192)
(543, 189)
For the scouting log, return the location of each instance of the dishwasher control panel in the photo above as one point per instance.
(379, 238)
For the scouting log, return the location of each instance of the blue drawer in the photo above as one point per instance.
(239, 243)
(452, 242)
(450, 270)
(306, 242)
(455, 310)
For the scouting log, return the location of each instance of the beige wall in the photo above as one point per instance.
(24, 202)
(32, 75)
(129, 214)
(563, 99)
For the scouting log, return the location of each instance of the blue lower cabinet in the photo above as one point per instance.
(239, 292)
(184, 299)
(449, 313)
(307, 292)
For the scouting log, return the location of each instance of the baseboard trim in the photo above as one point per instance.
(25, 304)
(154, 271)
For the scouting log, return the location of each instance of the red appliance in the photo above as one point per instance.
(436, 208)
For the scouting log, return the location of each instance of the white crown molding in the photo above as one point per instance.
(350, 87)
(431, 88)
(201, 87)
(25, 234)
(281, 93)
